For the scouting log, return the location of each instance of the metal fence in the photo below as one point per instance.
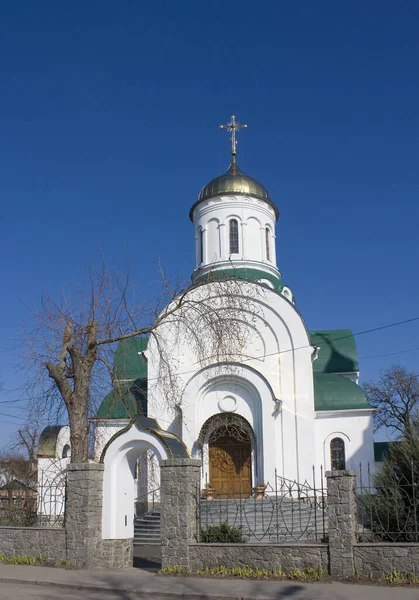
(284, 512)
(388, 508)
(51, 501)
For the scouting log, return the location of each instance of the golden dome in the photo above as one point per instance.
(234, 181)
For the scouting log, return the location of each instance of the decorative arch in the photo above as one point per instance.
(222, 425)
(119, 458)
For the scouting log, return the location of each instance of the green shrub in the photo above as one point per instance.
(224, 534)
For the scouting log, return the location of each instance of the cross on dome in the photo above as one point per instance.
(233, 126)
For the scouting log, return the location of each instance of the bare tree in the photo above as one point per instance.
(396, 398)
(70, 348)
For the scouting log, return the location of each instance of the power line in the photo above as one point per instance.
(389, 354)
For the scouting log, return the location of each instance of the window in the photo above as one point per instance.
(66, 451)
(201, 245)
(268, 254)
(337, 454)
(234, 237)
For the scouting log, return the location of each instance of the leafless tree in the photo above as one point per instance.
(396, 398)
(71, 344)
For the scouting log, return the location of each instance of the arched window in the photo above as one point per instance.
(267, 240)
(337, 454)
(234, 237)
(201, 245)
(66, 451)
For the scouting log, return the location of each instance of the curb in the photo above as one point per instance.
(144, 593)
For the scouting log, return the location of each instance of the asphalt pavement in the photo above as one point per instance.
(27, 583)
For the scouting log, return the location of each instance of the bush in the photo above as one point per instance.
(224, 534)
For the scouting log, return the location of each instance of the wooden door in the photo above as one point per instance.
(230, 467)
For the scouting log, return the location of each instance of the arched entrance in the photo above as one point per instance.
(228, 448)
(120, 457)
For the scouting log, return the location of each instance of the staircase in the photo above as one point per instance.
(262, 521)
(147, 529)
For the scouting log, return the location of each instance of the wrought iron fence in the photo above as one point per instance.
(388, 508)
(284, 512)
(51, 501)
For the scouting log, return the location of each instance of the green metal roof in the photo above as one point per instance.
(127, 400)
(241, 273)
(174, 446)
(128, 363)
(336, 392)
(47, 445)
(337, 352)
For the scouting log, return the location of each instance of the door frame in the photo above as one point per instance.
(215, 422)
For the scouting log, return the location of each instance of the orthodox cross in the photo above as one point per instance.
(233, 127)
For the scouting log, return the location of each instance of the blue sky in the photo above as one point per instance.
(109, 117)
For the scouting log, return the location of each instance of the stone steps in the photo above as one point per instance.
(260, 521)
(147, 529)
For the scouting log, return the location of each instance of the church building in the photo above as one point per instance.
(282, 399)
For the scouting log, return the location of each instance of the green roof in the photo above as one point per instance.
(127, 400)
(47, 445)
(337, 352)
(336, 392)
(174, 446)
(241, 273)
(128, 362)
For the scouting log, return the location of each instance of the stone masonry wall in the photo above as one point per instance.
(84, 514)
(180, 478)
(262, 556)
(342, 521)
(30, 541)
(116, 554)
(376, 560)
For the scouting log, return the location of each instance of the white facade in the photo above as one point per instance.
(256, 246)
(268, 380)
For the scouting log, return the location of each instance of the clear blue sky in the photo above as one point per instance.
(109, 116)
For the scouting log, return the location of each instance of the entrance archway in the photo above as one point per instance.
(228, 448)
(120, 458)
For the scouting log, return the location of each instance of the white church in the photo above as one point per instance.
(286, 399)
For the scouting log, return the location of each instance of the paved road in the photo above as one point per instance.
(132, 584)
(284, 591)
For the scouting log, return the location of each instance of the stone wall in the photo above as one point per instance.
(116, 554)
(376, 560)
(262, 556)
(180, 478)
(31, 541)
(342, 521)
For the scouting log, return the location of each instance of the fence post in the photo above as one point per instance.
(180, 479)
(83, 516)
(341, 510)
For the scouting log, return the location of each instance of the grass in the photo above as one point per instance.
(309, 574)
(24, 559)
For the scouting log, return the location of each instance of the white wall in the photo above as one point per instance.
(272, 370)
(354, 427)
(253, 216)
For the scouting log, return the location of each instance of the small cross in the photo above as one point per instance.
(233, 127)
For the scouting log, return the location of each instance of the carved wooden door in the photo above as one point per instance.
(230, 467)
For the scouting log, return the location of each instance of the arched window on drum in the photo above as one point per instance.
(268, 243)
(234, 237)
